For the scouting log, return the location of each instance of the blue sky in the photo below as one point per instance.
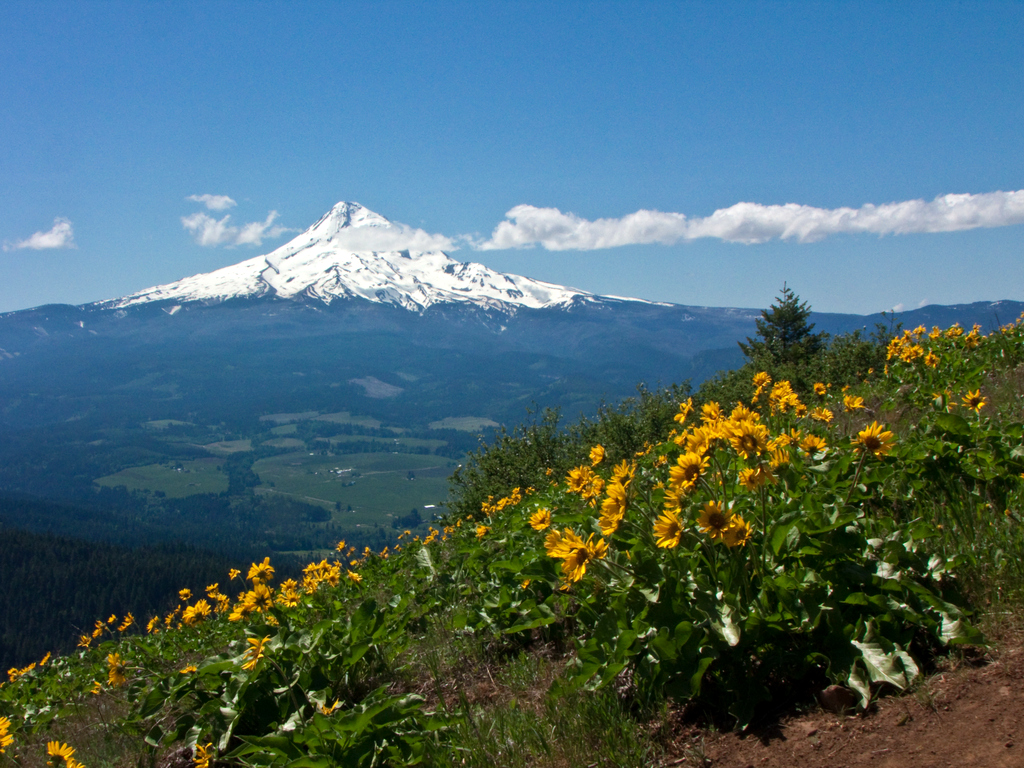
(447, 116)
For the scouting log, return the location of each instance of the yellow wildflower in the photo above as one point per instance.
(341, 545)
(668, 529)
(931, 360)
(540, 519)
(748, 439)
(5, 738)
(823, 415)
(820, 389)
(974, 401)
(185, 595)
(684, 411)
(596, 455)
(754, 477)
(204, 753)
(127, 622)
(738, 533)
(813, 444)
(714, 520)
(875, 439)
(261, 573)
(233, 574)
(254, 653)
(481, 531)
(613, 509)
(115, 670)
(853, 402)
(57, 749)
(688, 468)
(188, 669)
(354, 577)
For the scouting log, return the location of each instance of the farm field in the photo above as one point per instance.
(174, 479)
(377, 486)
(405, 442)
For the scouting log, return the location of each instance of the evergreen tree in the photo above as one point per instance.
(784, 336)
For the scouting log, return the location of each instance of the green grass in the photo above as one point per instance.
(285, 442)
(165, 423)
(386, 443)
(199, 476)
(464, 423)
(376, 485)
(229, 446)
(344, 417)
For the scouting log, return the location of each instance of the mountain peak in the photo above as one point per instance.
(354, 253)
(348, 215)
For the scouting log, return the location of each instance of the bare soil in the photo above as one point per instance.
(969, 713)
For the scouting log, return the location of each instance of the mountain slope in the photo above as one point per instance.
(336, 258)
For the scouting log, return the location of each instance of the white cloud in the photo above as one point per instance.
(213, 202)
(528, 226)
(394, 237)
(61, 235)
(209, 231)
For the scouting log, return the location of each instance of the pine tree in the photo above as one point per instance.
(784, 336)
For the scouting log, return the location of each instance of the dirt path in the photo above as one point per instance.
(962, 717)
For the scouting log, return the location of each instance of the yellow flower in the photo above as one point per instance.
(820, 389)
(540, 519)
(931, 360)
(97, 688)
(778, 458)
(233, 573)
(596, 455)
(748, 439)
(341, 545)
(260, 597)
(481, 531)
(354, 577)
(875, 439)
(553, 543)
(762, 379)
(714, 520)
(152, 624)
(668, 529)
(624, 471)
(575, 565)
(813, 444)
(255, 652)
(688, 468)
(46, 658)
(5, 738)
(329, 710)
(260, 573)
(185, 595)
(974, 401)
(853, 402)
(115, 670)
(613, 509)
(188, 669)
(127, 622)
(738, 533)
(84, 641)
(742, 413)
(755, 477)
(711, 413)
(782, 397)
(823, 415)
(583, 481)
(57, 749)
(204, 753)
(684, 411)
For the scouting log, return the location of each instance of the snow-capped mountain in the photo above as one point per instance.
(329, 261)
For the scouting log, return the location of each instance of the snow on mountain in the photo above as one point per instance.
(329, 261)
